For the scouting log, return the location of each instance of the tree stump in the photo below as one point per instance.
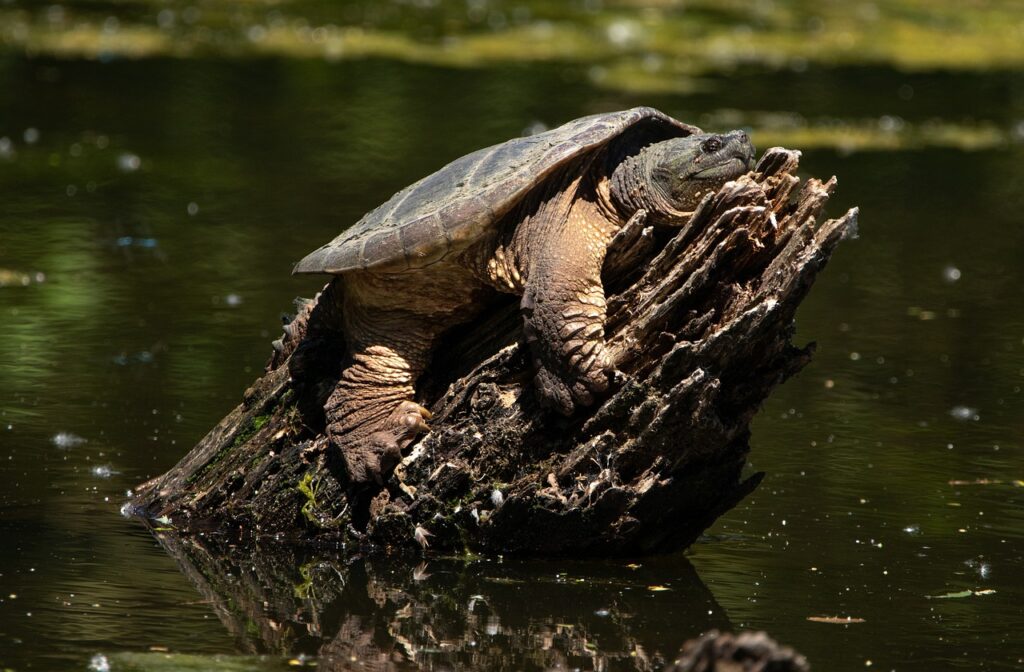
(700, 319)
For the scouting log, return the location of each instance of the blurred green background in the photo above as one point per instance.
(163, 164)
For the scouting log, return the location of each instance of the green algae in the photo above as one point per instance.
(699, 36)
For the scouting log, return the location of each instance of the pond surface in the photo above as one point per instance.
(154, 200)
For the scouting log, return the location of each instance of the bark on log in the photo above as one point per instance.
(699, 320)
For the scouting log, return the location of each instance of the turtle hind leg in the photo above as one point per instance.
(371, 416)
(390, 330)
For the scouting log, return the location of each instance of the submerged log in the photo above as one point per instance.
(699, 321)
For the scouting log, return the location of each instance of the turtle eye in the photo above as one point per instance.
(712, 144)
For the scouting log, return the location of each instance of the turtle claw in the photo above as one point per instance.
(412, 417)
(566, 390)
(372, 459)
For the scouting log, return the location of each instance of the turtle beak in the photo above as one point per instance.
(743, 148)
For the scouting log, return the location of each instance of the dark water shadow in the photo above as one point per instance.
(448, 613)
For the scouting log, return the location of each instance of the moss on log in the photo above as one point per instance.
(700, 320)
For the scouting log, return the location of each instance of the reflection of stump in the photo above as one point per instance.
(699, 321)
(460, 614)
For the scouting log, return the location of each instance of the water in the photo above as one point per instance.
(152, 209)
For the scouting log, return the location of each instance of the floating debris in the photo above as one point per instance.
(9, 278)
(983, 568)
(233, 300)
(964, 413)
(142, 357)
(979, 481)
(961, 593)
(497, 498)
(128, 162)
(420, 535)
(99, 663)
(131, 241)
(913, 530)
(836, 620)
(103, 471)
(921, 314)
(658, 589)
(67, 440)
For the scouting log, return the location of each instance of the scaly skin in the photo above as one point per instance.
(550, 250)
(372, 415)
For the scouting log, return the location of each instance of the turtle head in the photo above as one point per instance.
(678, 172)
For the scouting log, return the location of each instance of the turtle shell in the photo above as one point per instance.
(448, 210)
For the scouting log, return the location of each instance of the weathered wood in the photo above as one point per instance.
(700, 320)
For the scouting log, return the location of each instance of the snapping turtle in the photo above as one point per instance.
(532, 216)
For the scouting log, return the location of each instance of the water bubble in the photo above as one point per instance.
(99, 663)
(951, 273)
(906, 92)
(233, 300)
(1018, 130)
(55, 14)
(890, 124)
(623, 33)
(535, 127)
(256, 33)
(67, 440)
(497, 498)
(964, 413)
(165, 19)
(128, 162)
(31, 135)
(192, 209)
(912, 530)
(103, 471)
(6, 148)
(191, 14)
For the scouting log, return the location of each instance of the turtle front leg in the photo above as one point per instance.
(564, 312)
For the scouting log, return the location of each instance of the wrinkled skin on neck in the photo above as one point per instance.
(669, 178)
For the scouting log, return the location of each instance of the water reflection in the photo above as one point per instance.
(450, 613)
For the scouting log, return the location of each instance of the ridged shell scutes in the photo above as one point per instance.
(453, 207)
